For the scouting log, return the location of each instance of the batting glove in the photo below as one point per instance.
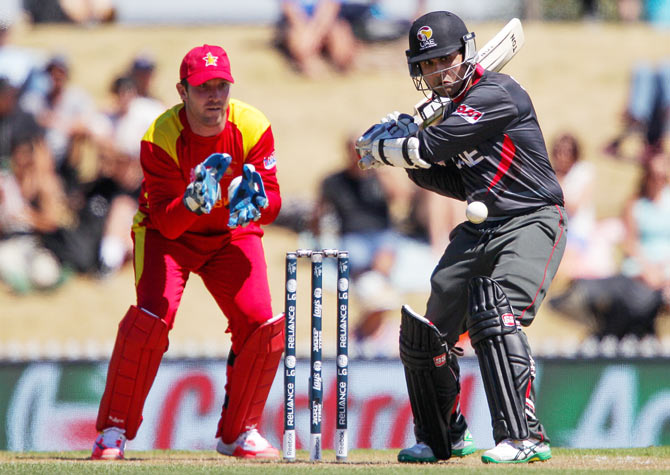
(393, 126)
(246, 197)
(204, 191)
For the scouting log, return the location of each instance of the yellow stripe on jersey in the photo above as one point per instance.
(251, 122)
(165, 131)
(140, 233)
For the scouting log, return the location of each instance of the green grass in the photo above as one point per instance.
(649, 460)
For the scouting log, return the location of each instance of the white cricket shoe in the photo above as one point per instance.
(518, 451)
(109, 445)
(464, 446)
(249, 444)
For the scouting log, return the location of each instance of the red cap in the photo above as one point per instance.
(203, 63)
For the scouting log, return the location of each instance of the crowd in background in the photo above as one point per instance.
(70, 177)
(69, 171)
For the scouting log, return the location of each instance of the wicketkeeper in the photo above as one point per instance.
(488, 147)
(207, 143)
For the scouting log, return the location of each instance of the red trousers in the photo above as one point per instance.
(234, 273)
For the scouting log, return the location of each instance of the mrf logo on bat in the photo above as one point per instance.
(468, 113)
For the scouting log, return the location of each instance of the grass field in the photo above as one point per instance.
(565, 461)
(577, 75)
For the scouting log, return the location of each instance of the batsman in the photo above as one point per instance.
(184, 225)
(487, 147)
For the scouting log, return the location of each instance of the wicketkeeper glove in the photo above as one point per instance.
(246, 197)
(204, 191)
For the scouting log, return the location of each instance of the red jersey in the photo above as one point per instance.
(169, 153)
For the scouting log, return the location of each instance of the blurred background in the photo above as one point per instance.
(81, 80)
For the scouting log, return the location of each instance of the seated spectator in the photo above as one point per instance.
(129, 119)
(101, 243)
(590, 250)
(14, 121)
(359, 211)
(65, 111)
(353, 205)
(647, 111)
(647, 224)
(309, 29)
(142, 72)
(630, 302)
(32, 202)
(69, 11)
(20, 66)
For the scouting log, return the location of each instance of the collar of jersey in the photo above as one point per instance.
(476, 76)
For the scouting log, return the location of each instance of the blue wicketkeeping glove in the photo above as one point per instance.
(246, 196)
(204, 191)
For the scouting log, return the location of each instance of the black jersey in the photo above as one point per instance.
(490, 148)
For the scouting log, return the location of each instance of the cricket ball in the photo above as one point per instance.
(476, 212)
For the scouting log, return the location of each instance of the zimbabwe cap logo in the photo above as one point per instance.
(210, 59)
(425, 33)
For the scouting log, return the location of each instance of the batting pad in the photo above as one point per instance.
(250, 379)
(432, 380)
(504, 361)
(140, 343)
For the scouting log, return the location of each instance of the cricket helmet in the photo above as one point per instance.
(438, 34)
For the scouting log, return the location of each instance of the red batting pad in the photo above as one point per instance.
(140, 343)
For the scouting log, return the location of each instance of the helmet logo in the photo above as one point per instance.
(425, 37)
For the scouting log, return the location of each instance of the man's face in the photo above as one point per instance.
(206, 105)
(444, 75)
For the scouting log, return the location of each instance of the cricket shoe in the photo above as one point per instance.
(463, 446)
(249, 444)
(518, 451)
(109, 445)
(421, 453)
(418, 453)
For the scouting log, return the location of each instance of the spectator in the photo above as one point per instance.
(647, 224)
(356, 206)
(100, 243)
(590, 247)
(14, 121)
(646, 111)
(120, 157)
(63, 11)
(629, 303)
(32, 202)
(142, 72)
(65, 111)
(20, 66)
(309, 29)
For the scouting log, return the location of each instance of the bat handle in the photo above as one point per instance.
(366, 162)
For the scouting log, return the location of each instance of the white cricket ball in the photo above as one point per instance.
(476, 212)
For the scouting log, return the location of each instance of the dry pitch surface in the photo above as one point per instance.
(649, 460)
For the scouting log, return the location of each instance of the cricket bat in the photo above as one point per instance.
(493, 56)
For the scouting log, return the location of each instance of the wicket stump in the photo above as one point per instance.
(315, 379)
